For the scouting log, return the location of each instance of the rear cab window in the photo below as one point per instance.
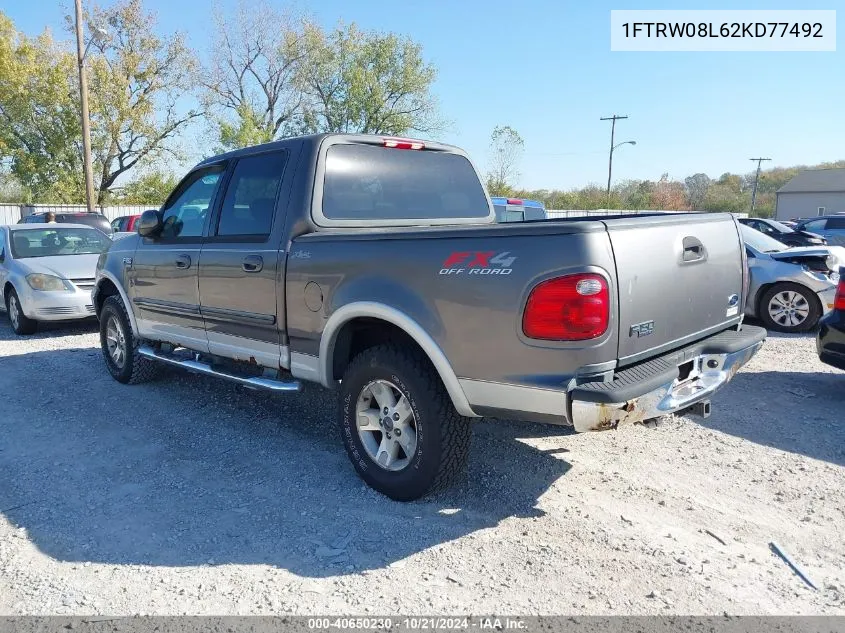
(370, 184)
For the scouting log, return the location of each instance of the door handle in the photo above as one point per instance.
(183, 262)
(252, 263)
(693, 250)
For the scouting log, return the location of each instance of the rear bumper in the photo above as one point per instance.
(666, 384)
(830, 341)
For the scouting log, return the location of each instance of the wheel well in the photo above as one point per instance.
(363, 333)
(6, 289)
(105, 290)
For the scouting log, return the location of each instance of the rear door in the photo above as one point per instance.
(679, 279)
(241, 268)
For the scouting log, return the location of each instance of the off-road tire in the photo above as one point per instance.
(24, 324)
(443, 435)
(815, 308)
(136, 368)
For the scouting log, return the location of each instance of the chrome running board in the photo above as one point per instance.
(256, 382)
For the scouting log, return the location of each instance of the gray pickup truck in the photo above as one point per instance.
(375, 266)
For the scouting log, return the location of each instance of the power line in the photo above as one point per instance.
(756, 180)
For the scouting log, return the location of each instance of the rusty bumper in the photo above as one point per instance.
(701, 377)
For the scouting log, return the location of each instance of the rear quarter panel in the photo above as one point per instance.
(466, 288)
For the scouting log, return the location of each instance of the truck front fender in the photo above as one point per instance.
(107, 275)
(375, 310)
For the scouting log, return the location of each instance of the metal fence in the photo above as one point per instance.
(11, 213)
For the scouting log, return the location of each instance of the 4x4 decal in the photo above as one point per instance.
(478, 263)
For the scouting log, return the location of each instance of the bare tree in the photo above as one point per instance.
(506, 148)
(250, 80)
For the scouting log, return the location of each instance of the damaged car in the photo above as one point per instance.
(791, 288)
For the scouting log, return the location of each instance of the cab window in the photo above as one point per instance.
(185, 212)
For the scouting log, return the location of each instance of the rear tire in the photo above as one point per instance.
(21, 324)
(440, 440)
(788, 307)
(120, 345)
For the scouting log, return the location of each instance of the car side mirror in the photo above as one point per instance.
(149, 224)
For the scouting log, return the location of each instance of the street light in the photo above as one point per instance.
(81, 52)
(610, 164)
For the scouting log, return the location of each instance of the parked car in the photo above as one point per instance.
(791, 288)
(783, 233)
(518, 210)
(375, 266)
(47, 272)
(830, 342)
(96, 220)
(125, 223)
(830, 227)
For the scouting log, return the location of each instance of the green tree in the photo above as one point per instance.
(365, 81)
(696, 189)
(151, 188)
(506, 149)
(137, 78)
(39, 117)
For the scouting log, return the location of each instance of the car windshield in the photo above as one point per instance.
(759, 241)
(57, 241)
(780, 227)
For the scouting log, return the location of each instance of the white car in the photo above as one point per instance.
(47, 272)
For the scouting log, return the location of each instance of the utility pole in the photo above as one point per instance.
(756, 180)
(83, 95)
(613, 119)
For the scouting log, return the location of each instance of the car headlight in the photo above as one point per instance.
(832, 263)
(39, 281)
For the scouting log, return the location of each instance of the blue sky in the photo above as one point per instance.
(545, 68)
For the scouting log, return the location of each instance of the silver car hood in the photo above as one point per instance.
(65, 266)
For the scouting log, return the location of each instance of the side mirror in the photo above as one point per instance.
(149, 224)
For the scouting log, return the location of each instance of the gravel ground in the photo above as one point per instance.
(190, 495)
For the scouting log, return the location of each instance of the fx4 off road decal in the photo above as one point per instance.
(478, 263)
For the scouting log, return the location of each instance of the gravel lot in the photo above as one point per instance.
(190, 495)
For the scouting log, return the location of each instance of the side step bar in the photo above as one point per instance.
(258, 382)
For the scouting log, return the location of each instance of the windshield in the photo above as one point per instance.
(57, 241)
(780, 227)
(760, 242)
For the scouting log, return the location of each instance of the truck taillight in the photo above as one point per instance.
(569, 308)
(516, 201)
(403, 143)
(839, 302)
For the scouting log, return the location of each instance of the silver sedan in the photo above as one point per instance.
(47, 272)
(791, 288)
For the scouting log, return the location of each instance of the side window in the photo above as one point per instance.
(185, 211)
(250, 199)
(836, 224)
(814, 225)
(2, 244)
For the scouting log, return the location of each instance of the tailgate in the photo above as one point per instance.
(679, 279)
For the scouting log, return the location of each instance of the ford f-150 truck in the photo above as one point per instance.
(375, 266)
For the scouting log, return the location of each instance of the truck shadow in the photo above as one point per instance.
(189, 471)
(791, 411)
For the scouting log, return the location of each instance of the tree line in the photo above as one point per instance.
(698, 192)
(153, 101)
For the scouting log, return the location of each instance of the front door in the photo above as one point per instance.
(163, 274)
(241, 267)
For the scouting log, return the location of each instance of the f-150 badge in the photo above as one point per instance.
(645, 328)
